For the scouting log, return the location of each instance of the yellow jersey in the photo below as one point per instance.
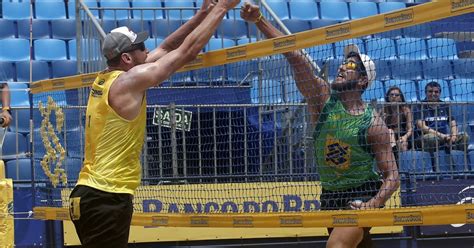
(112, 143)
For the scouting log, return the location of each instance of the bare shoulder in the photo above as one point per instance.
(378, 131)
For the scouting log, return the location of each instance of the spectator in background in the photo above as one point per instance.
(437, 127)
(399, 120)
(6, 115)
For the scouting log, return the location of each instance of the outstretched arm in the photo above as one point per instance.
(314, 89)
(174, 40)
(379, 140)
(6, 105)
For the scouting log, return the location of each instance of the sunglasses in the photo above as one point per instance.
(139, 46)
(352, 65)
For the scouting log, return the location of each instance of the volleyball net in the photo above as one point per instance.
(229, 143)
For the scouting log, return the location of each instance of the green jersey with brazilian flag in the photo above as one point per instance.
(342, 154)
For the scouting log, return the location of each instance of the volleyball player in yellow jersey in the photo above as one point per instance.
(349, 135)
(101, 203)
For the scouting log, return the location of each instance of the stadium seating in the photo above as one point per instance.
(162, 28)
(424, 30)
(18, 169)
(246, 40)
(383, 69)
(463, 89)
(334, 11)
(460, 161)
(113, 14)
(437, 68)
(442, 48)
(381, 48)
(63, 29)
(14, 146)
(339, 46)
(445, 92)
(19, 95)
(73, 167)
(74, 143)
(21, 121)
(280, 8)
(406, 69)
(14, 49)
(322, 23)
(411, 48)
(7, 71)
(50, 10)
(87, 46)
(215, 44)
(407, 86)
(322, 52)
(152, 43)
(304, 10)
(442, 161)
(14, 10)
(270, 92)
(137, 25)
(39, 29)
(89, 3)
(390, 6)
(50, 49)
(295, 26)
(40, 70)
(64, 68)
(107, 24)
(374, 92)
(146, 14)
(7, 29)
(232, 29)
(178, 12)
(415, 162)
(463, 68)
(362, 9)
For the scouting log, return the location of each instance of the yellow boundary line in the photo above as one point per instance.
(406, 216)
(375, 24)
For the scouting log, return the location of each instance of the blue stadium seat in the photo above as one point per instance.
(333, 66)
(383, 69)
(7, 29)
(406, 69)
(442, 161)
(217, 43)
(147, 14)
(50, 49)
(362, 9)
(114, 14)
(137, 25)
(19, 95)
(40, 70)
(471, 160)
(73, 167)
(89, 3)
(334, 11)
(411, 48)
(74, 144)
(322, 23)
(296, 26)
(16, 10)
(38, 147)
(374, 92)
(321, 52)
(50, 10)
(392, 34)
(390, 6)
(408, 88)
(22, 118)
(424, 30)
(232, 29)
(463, 89)
(460, 161)
(7, 71)
(40, 29)
(151, 43)
(437, 68)
(19, 169)
(442, 48)
(107, 24)
(14, 146)
(381, 48)
(87, 46)
(39, 174)
(64, 68)
(161, 28)
(339, 46)
(445, 89)
(415, 162)
(244, 41)
(178, 13)
(242, 72)
(463, 68)
(58, 96)
(292, 93)
(14, 49)
(280, 8)
(63, 29)
(271, 92)
(304, 10)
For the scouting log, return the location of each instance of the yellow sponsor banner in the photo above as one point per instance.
(284, 42)
(7, 229)
(457, 5)
(345, 220)
(408, 218)
(338, 31)
(470, 216)
(399, 17)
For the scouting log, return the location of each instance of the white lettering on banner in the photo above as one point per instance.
(183, 118)
(464, 200)
(439, 118)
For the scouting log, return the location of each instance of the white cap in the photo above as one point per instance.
(366, 61)
(119, 40)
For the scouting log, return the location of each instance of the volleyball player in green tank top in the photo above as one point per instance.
(350, 138)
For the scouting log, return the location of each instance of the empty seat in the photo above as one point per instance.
(442, 161)
(64, 68)
(270, 93)
(460, 161)
(362, 9)
(383, 68)
(19, 169)
(280, 8)
(411, 48)
(63, 29)
(390, 6)
(415, 162)
(244, 41)
(215, 44)
(58, 96)
(7, 29)
(147, 14)
(19, 95)
(39, 28)
(442, 48)
(14, 146)
(374, 92)
(50, 10)
(463, 68)
(73, 166)
(14, 49)
(91, 49)
(445, 92)
(322, 23)
(137, 25)
(463, 89)
(161, 28)
(151, 44)
(296, 26)
(179, 9)
(406, 69)
(21, 121)
(232, 29)
(89, 3)
(471, 159)
(333, 66)
(16, 10)
(7, 72)
(40, 70)
(424, 30)
(321, 52)
(304, 10)
(111, 13)
(107, 25)
(50, 49)
(334, 11)
(339, 46)
(437, 68)
(381, 48)
(408, 88)
(74, 144)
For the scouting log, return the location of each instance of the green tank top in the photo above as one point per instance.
(342, 154)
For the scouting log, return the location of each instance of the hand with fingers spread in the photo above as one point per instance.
(208, 5)
(250, 12)
(228, 4)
